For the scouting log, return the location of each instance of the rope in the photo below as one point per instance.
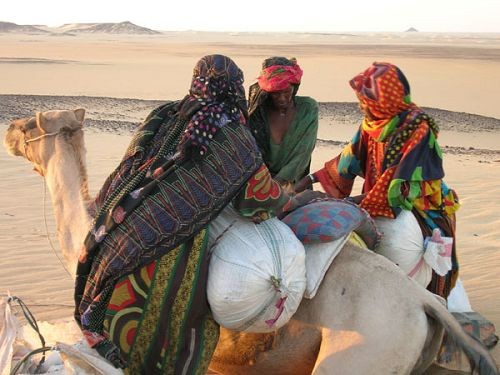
(18, 365)
(219, 237)
(32, 322)
(28, 141)
(40, 137)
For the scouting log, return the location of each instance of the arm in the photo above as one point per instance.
(337, 176)
(262, 197)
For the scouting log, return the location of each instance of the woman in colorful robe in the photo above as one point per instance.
(141, 278)
(285, 125)
(397, 154)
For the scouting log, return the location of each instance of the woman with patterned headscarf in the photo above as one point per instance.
(285, 125)
(141, 278)
(396, 151)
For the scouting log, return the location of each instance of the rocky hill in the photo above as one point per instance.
(107, 28)
(10, 27)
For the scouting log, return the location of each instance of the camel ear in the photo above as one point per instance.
(41, 122)
(79, 114)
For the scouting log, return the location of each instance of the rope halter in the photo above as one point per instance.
(40, 137)
(30, 140)
(26, 141)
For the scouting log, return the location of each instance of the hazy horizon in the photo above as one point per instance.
(409, 29)
(444, 16)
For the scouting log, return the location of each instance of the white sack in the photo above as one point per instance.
(9, 328)
(438, 251)
(256, 276)
(402, 242)
(458, 300)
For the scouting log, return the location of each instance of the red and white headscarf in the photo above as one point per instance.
(279, 77)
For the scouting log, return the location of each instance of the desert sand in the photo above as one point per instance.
(455, 76)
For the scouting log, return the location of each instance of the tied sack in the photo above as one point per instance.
(257, 275)
(438, 251)
(402, 243)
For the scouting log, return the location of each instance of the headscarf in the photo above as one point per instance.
(216, 96)
(277, 74)
(385, 91)
(276, 77)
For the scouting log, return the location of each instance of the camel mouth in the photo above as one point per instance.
(12, 151)
(15, 135)
(11, 142)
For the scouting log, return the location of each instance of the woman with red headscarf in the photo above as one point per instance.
(395, 150)
(284, 125)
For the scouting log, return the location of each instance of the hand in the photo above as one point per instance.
(303, 184)
(299, 200)
(358, 198)
(287, 186)
(305, 197)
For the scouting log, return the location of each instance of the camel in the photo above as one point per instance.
(367, 317)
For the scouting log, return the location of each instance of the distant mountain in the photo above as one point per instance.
(9, 27)
(411, 30)
(107, 28)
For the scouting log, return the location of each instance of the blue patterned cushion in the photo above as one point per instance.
(328, 220)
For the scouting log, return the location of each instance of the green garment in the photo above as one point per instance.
(290, 160)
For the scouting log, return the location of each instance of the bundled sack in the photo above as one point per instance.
(331, 219)
(402, 242)
(257, 275)
(9, 328)
(17, 341)
(438, 251)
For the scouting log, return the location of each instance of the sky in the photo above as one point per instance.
(265, 15)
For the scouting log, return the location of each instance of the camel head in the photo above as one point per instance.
(34, 138)
(53, 142)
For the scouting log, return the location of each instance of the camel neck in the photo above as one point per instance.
(66, 181)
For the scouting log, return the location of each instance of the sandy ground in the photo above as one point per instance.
(456, 77)
(458, 72)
